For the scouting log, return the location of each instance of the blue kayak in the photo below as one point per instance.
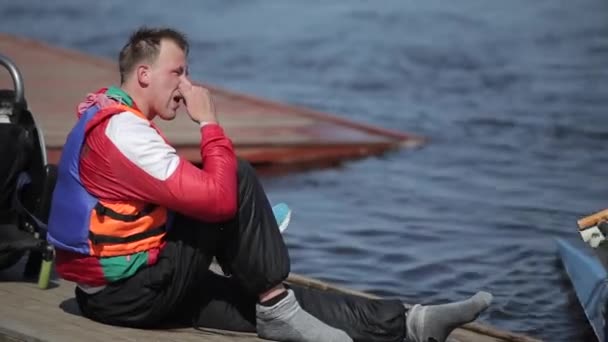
(590, 281)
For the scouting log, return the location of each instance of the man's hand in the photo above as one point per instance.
(198, 101)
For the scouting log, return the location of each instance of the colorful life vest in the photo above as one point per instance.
(79, 222)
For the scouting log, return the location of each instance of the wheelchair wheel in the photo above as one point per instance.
(8, 259)
(33, 161)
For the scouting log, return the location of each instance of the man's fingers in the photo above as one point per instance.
(186, 81)
(183, 88)
(184, 85)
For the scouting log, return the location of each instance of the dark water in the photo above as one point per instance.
(513, 95)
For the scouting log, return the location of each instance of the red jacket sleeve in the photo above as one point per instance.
(130, 160)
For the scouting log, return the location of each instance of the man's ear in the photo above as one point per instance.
(143, 75)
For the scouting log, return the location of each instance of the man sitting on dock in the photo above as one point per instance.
(136, 226)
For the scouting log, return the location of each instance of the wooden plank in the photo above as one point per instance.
(56, 80)
(30, 314)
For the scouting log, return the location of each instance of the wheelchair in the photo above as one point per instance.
(27, 181)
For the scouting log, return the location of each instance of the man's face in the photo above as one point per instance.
(165, 74)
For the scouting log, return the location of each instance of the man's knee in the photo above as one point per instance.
(244, 170)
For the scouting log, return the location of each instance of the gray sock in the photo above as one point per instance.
(287, 321)
(435, 322)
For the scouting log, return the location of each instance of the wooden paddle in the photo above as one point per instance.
(592, 220)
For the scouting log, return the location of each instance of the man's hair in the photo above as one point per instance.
(144, 45)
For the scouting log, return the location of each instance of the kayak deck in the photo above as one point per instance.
(31, 314)
(590, 281)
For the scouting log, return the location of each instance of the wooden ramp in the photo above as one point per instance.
(28, 313)
(264, 132)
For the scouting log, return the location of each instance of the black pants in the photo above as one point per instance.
(179, 290)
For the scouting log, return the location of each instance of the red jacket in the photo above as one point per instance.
(126, 157)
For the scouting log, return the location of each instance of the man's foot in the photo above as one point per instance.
(287, 321)
(282, 213)
(434, 323)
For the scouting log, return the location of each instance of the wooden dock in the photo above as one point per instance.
(30, 314)
(266, 133)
